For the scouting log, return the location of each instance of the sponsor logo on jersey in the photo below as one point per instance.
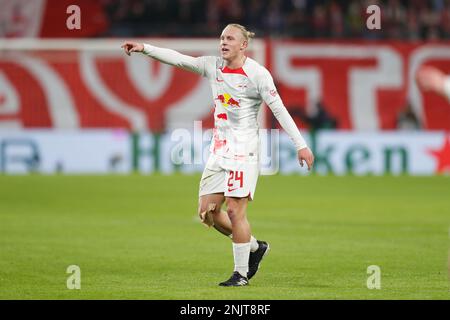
(222, 116)
(228, 101)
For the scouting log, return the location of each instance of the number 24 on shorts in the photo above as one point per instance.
(236, 176)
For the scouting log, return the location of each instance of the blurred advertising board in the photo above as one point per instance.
(118, 151)
(74, 152)
(372, 153)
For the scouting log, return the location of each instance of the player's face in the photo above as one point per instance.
(232, 43)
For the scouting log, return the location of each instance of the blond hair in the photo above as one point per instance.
(247, 34)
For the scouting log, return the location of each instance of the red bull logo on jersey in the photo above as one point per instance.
(228, 101)
(222, 116)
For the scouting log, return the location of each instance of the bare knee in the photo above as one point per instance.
(231, 212)
(236, 209)
(235, 214)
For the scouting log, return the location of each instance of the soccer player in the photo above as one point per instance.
(434, 80)
(239, 85)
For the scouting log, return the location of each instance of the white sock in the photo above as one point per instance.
(253, 244)
(241, 252)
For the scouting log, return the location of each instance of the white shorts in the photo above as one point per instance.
(233, 178)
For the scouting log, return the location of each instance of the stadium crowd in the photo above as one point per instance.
(329, 19)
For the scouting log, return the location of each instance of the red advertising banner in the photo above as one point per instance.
(56, 84)
(361, 85)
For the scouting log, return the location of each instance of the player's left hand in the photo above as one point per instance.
(207, 216)
(306, 155)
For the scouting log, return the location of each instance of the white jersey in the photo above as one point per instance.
(237, 94)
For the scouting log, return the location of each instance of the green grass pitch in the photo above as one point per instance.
(138, 237)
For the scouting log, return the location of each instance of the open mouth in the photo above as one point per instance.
(224, 50)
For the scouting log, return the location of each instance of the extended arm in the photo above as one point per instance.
(167, 56)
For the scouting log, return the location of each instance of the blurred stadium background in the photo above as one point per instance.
(71, 102)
